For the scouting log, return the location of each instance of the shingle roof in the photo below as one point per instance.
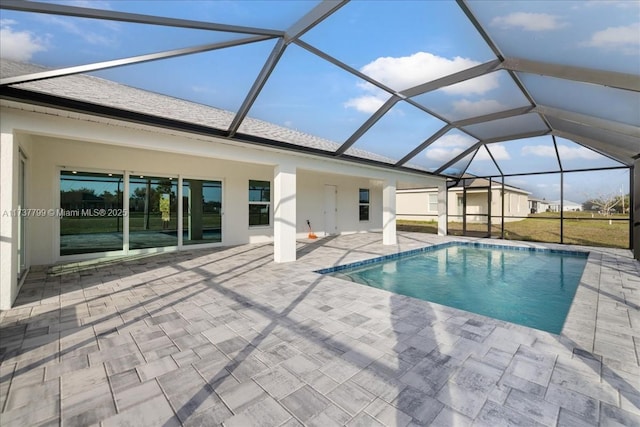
(104, 92)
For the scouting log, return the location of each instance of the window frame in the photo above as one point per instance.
(266, 203)
(362, 204)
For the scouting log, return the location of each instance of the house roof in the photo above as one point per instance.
(565, 203)
(537, 199)
(481, 183)
(604, 116)
(99, 91)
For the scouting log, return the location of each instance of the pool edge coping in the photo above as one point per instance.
(438, 246)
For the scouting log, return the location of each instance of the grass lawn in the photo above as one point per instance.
(579, 229)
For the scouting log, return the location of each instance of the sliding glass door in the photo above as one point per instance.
(92, 218)
(92, 215)
(153, 212)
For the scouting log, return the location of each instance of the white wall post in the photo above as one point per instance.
(442, 209)
(389, 236)
(9, 154)
(284, 213)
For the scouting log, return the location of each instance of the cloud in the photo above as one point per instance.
(18, 45)
(203, 89)
(538, 150)
(528, 21)
(84, 29)
(89, 36)
(624, 38)
(498, 151)
(466, 108)
(543, 185)
(366, 104)
(404, 72)
(407, 71)
(95, 4)
(476, 86)
(622, 4)
(448, 147)
(566, 153)
(443, 154)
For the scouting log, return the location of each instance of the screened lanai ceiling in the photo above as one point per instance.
(487, 88)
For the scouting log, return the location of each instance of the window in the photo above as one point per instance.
(364, 204)
(259, 202)
(433, 203)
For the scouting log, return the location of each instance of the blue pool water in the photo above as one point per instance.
(533, 288)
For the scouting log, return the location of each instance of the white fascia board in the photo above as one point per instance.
(51, 122)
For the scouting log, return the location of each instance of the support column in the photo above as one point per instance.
(284, 213)
(442, 209)
(634, 214)
(8, 220)
(389, 236)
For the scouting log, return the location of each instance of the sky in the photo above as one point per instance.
(418, 41)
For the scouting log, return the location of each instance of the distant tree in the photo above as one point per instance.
(81, 190)
(140, 193)
(74, 198)
(606, 203)
(627, 203)
(623, 206)
(589, 205)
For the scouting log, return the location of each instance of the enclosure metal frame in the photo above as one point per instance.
(558, 122)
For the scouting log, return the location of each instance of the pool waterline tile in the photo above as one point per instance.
(439, 246)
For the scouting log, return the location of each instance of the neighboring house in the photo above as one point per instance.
(538, 205)
(567, 206)
(417, 204)
(421, 204)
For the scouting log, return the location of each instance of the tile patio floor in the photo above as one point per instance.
(205, 337)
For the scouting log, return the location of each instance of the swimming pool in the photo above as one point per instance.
(527, 286)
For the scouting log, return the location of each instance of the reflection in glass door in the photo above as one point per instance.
(92, 214)
(202, 211)
(153, 212)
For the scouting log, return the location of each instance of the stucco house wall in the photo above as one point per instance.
(52, 142)
(414, 204)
